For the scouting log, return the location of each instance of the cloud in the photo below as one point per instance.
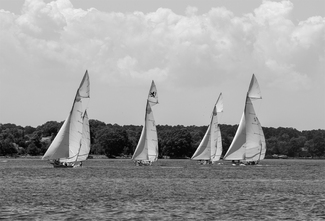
(189, 51)
(310, 33)
(286, 76)
(273, 13)
(191, 11)
(41, 20)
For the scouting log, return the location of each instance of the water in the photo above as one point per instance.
(30, 189)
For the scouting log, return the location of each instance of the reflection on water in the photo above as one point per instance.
(169, 190)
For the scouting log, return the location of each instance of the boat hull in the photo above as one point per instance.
(63, 166)
(143, 163)
(66, 165)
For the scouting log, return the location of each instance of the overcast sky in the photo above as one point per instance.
(193, 50)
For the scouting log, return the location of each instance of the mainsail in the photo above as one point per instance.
(210, 147)
(263, 143)
(71, 138)
(85, 140)
(147, 148)
(249, 141)
(84, 146)
(253, 138)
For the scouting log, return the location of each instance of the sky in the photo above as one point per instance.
(193, 50)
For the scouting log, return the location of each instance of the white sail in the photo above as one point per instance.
(217, 134)
(263, 143)
(253, 139)
(249, 141)
(218, 151)
(219, 104)
(152, 137)
(141, 151)
(203, 152)
(60, 145)
(84, 146)
(254, 91)
(153, 95)
(236, 150)
(85, 142)
(66, 145)
(147, 148)
(67, 142)
(210, 147)
(84, 88)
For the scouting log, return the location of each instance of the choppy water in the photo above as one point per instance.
(30, 189)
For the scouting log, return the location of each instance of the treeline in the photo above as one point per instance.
(174, 141)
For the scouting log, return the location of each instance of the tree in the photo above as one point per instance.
(113, 141)
(283, 147)
(33, 150)
(310, 145)
(94, 127)
(174, 141)
(7, 148)
(295, 146)
(319, 144)
(97, 149)
(29, 130)
(134, 133)
(177, 144)
(272, 146)
(49, 128)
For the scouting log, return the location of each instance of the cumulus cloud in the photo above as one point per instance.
(192, 50)
(310, 33)
(40, 19)
(273, 13)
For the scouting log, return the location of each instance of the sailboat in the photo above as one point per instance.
(146, 151)
(71, 145)
(210, 148)
(248, 145)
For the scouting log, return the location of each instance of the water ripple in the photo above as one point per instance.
(180, 190)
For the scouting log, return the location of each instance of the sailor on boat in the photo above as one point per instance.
(252, 163)
(204, 162)
(143, 162)
(237, 163)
